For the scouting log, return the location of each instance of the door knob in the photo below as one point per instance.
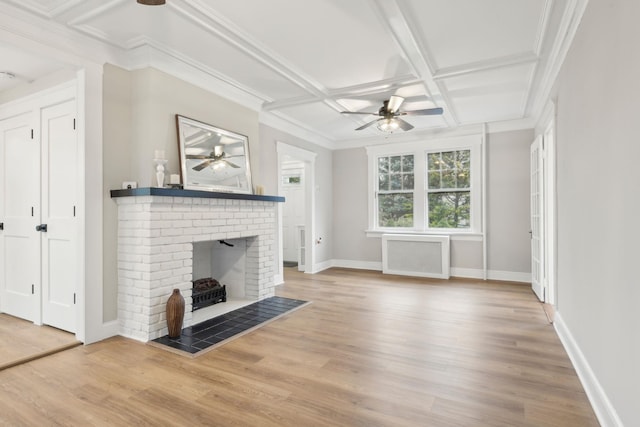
(41, 227)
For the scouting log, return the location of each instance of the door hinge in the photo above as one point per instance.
(1, 225)
(74, 211)
(33, 289)
(74, 124)
(31, 133)
(31, 210)
(74, 297)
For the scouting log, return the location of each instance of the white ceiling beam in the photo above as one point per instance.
(364, 89)
(523, 58)
(401, 27)
(39, 9)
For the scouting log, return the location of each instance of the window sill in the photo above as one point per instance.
(453, 235)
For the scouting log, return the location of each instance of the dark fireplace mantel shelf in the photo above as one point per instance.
(178, 192)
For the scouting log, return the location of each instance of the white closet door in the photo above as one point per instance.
(19, 214)
(59, 242)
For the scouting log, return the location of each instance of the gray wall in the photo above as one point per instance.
(508, 241)
(323, 180)
(350, 215)
(508, 215)
(139, 117)
(597, 182)
(116, 160)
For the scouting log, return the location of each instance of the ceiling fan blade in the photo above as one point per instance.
(427, 112)
(358, 112)
(394, 103)
(197, 156)
(202, 165)
(404, 125)
(367, 125)
(233, 165)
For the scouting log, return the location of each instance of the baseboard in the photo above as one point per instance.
(358, 265)
(107, 330)
(468, 273)
(509, 276)
(606, 413)
(321, 266)
(477, 273)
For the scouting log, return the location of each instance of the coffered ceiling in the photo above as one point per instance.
(301, 62)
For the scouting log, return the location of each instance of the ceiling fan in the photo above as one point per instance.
(215, 159)
(389, 115)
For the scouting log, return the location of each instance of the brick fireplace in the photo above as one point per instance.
(157, 230)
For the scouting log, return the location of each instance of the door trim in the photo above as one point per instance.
(308, 158)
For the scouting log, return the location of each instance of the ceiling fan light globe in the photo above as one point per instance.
(388, 125)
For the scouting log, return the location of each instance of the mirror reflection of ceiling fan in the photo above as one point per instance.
(390, 113)
(215, 159)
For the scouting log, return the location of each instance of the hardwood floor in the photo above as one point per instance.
(22, 341)
(371, 350)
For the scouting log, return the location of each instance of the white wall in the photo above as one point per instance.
(508, 212)
(598, 150)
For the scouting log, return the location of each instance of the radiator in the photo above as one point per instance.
(415, 255)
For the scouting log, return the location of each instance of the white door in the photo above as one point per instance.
(293, 214)
(537, 223)
(19, 215)
(59, 242)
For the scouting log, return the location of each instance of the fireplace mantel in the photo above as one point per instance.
(157, 229)
(178, 192)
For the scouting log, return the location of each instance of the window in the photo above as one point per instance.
(395, 191)
(292, 179)
(431, 186)
(449, 189)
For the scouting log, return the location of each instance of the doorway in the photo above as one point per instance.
(296, 214)
(293, 213)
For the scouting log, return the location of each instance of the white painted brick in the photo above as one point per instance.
(157, 234)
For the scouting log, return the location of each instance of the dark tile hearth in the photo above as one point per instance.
(213, 331)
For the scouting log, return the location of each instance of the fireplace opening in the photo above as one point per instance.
(219, 272)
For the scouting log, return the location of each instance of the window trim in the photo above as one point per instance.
(420, 149)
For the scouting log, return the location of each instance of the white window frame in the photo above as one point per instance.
(420, 149)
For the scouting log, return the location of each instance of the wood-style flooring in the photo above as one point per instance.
(371, 350)
(22, 341)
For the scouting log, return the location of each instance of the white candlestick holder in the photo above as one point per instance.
(160, 171)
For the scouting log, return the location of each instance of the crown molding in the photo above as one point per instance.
(440, 132)
(564, 38)
(190, 71)
(287, 125)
